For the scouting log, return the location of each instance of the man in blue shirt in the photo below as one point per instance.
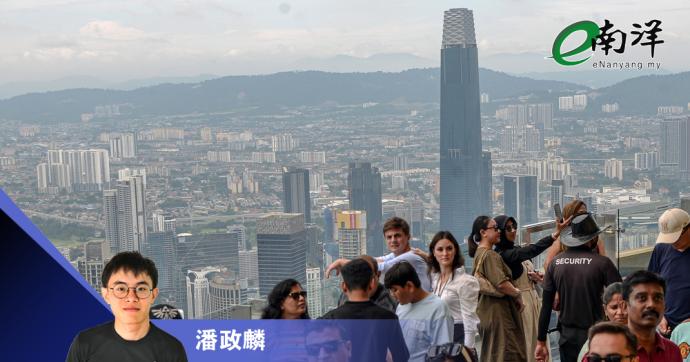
(671, 259)
(425, 318)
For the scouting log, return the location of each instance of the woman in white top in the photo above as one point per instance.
(457, 288)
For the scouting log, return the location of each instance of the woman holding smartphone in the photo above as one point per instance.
(523, 274)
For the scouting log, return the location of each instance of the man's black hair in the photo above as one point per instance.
(401, 273)
(130, 261)
(319, 325)
(614, 328)
(357, 274)
(641, 277)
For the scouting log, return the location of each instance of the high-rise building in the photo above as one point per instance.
(161, 247)
(364, 192)
(164, 221)
(520, 198)
(557, 191)
(674, 155)
(351, 227)
(565, 103)
(314, 287)
(542, 115)
(328, 229)
(225, 291)
(613, 168)
(399, 163)
(684, 151)
(580, 101)
(124, 212)
(646, 161)
(241, 232)
(89, 169)
(197, 291)
(486, 184)
(123, 145)
(312, 157)
(206, 134)
(249, 266)
(314, 245)
(283, 143)
(548, 169)
(296, 192)
(90, 265)
(398, 182)
(413, 212)
(282, 249)
(461, 141)
(126, 173)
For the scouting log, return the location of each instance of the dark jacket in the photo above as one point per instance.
(382, 298)
(513, 255)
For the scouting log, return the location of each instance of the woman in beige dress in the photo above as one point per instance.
(500, 324)
(523, 275)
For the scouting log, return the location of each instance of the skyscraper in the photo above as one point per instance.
(364, 191)
(314, 288)
(674, 155)
(89, 169)
(461, 142)
(282, 249)
(161, 247)
(124, 212)
(520, 198)
(486, 183)
(557, 191)
(352, 233)
(296, 192)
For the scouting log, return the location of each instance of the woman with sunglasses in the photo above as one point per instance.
(614, 311)
(501, 325)
(287, 300)
(522, 272)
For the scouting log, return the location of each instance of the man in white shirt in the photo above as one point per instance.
(425, 319)
(396, 231)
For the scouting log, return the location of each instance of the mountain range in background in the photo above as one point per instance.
(310, 88)
(531, 65)
(641, 95)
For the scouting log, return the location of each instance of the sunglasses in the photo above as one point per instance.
(296, 295)
(614, 357)
(329, 347)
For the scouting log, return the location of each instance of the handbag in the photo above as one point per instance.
(485, 286)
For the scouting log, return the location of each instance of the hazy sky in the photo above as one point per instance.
(119, 40)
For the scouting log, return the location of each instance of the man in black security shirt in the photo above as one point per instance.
(579, 275)
(129, 287)
(372, 339)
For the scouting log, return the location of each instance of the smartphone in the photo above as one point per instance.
(557, 211)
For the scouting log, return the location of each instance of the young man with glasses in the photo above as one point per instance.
(611, 342)
(671, 260)
(129, 286)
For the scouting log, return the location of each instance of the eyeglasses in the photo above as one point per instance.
(330, 347)
(122, 290)
(613, 357)
(439, 353)
(511, 228)
(495, 227)
(296, 295)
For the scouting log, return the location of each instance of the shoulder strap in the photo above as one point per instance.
(479, 263)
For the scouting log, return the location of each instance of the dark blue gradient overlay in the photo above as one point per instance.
(45, 302)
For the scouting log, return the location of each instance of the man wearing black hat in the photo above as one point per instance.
(579, 275)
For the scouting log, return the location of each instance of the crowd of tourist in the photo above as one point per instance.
(429, 308)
